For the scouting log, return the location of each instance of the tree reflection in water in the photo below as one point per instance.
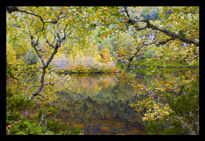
(101, 104)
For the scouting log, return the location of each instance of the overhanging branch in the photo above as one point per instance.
(173, 35)
(143, 45)
(11, 9)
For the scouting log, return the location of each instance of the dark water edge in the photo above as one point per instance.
(128, 69)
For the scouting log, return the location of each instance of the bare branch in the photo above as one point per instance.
(50, 44)
(56, 21)
(144, 44)
(35, 86)
(139, 29)
(163, 42)
(11, 9)
(34, 44)
(172, 34)
(44, 97)
(40, 17)
(135, 54)
(126, 11)
(41, 84)
(57, 45)
(64, 31)
(28, 89)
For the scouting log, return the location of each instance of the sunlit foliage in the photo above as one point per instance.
(46, 44)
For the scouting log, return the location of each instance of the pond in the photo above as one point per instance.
(100, 103)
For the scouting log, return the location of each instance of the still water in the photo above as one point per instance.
(100, 104)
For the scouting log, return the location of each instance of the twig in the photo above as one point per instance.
(45, 65)
(35, 86)
(34, 44)
(41, 18)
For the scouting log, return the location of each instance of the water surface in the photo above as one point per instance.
(100, 104)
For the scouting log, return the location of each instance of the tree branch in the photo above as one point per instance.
(174, 35)
(50, 44)
(135, 54)
(126, 11)
(139, 48)
(34, 44)
(41, 84)
(35, 86)
(11, 9)
(45, 65)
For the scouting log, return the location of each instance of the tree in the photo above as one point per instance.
(184, 30)
(71, 22)
(39, 32)
(35, 35)
(59, 23)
